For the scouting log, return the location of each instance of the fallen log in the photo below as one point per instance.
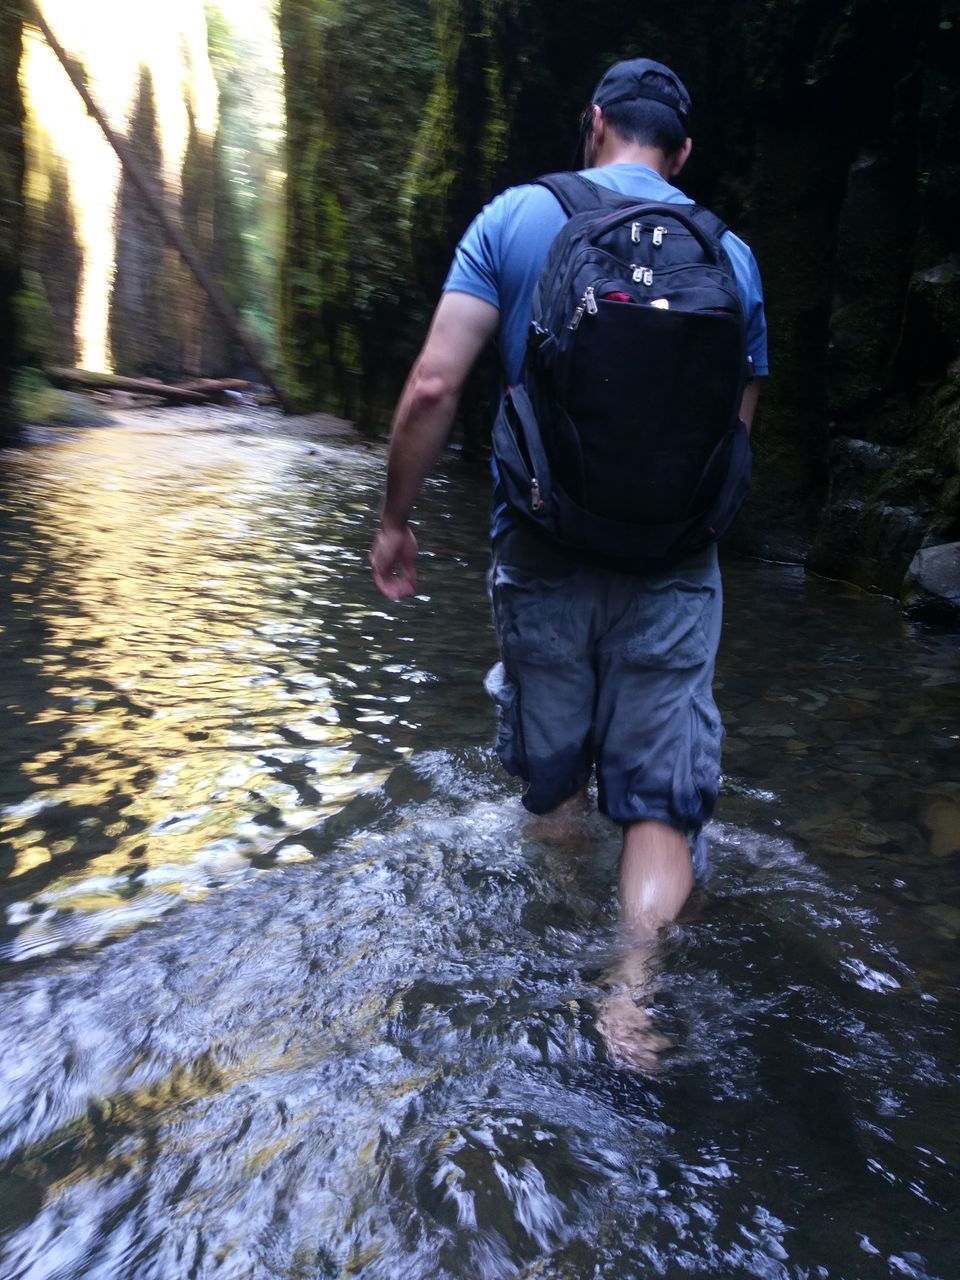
(214, 384)
(137, 386)
(225, 391)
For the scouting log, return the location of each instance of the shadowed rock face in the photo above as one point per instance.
(826, 133)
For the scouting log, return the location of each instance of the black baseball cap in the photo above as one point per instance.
(627, 81)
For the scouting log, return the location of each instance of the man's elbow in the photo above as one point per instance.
(430, 392)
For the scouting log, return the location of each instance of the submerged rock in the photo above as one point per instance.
(941, 817)
(931, 588)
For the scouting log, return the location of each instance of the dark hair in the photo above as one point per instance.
(649, 123)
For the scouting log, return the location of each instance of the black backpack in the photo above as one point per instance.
(624, 441)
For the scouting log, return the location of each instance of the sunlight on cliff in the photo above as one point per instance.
(113, 39)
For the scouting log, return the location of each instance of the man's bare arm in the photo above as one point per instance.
(459, 330)
(748, 405)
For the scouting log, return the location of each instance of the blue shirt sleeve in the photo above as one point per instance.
(474, 269)
(751, 292)
(499, 260)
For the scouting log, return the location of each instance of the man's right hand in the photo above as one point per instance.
(393, 560)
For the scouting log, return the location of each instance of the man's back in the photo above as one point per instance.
(503, 251)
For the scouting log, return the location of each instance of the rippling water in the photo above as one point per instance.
(291, 987)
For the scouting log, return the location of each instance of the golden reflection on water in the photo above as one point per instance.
(182, 728)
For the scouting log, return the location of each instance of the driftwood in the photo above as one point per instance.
(200, 391)
(154, 200)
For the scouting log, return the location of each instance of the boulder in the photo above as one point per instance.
(931, 589)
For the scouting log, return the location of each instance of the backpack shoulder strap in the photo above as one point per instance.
(577, 194)
(707, 221)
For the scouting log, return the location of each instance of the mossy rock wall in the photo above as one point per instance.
(356, 80)
(208, 217)
(54, 259)
(11, 210)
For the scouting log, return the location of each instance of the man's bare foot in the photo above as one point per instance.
(628, 1032)
(623, 1020)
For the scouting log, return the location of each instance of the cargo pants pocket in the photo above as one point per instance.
(707, 731)
(509, 740)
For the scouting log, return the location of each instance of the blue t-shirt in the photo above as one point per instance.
(503, 251)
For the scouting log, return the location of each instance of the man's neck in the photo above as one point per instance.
(615, 151)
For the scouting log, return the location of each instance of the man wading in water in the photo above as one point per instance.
(603, 666)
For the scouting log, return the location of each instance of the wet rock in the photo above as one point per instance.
(931, 589)
(867, 543)
(769, 731)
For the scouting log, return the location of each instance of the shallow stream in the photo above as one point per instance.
(291, 988)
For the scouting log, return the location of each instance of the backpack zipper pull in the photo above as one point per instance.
(587, 303)
(635, 233)
(642, 275)
(658, 234)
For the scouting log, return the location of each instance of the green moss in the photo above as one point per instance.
(350, 311)
(333, 259)
(40, 404)
(53, 253)
(35, 320)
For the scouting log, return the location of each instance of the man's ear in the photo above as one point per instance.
(598, 128)
(680, 158)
